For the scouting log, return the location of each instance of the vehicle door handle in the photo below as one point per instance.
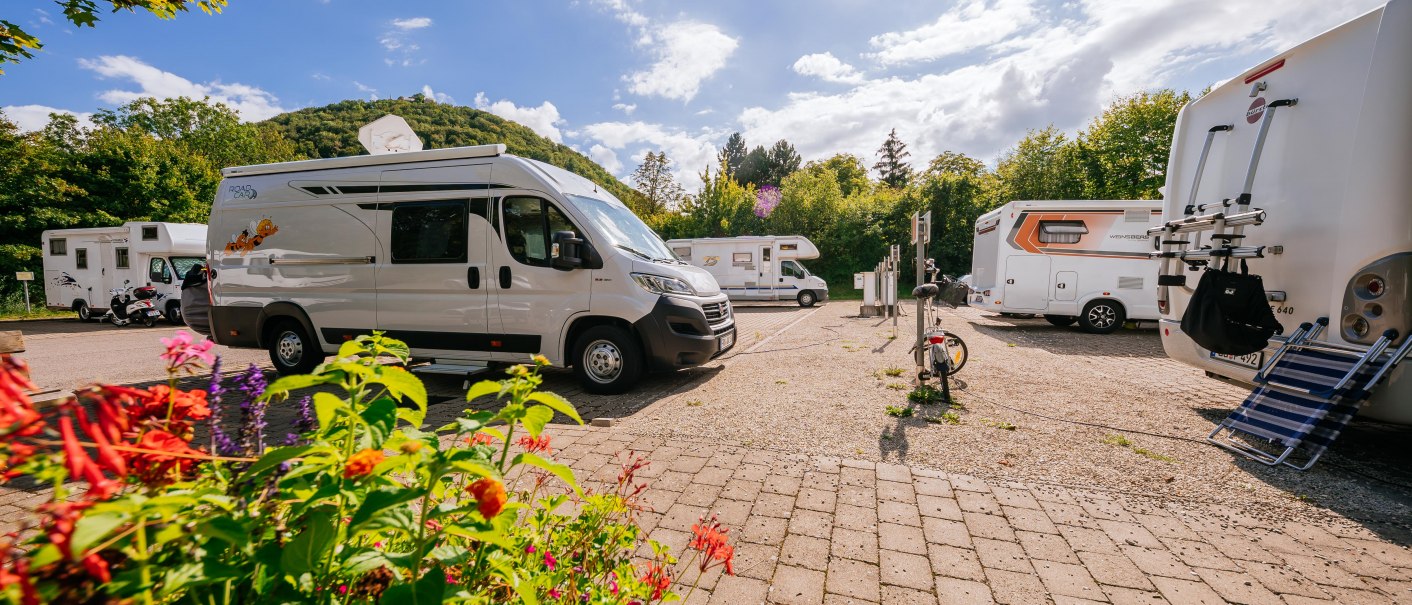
(1010, 282)
(1060, 286)
(781, 280)
(504, 278)
(473, 277)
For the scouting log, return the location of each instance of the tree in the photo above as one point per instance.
(763, 167)
(654, 181)
(1124, 151)
(852, 175)
(950, 162)
(732, 154)
(1042, 166)
(893, 171)
(16, 44)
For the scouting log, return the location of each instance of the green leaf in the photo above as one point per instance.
(378, 501)
(293, 383)
(225, 528)
(93, 527)
(304, 552)
(535, 418)
(327, 407)
(559, 404)
(404, 385)
(381, 416)
(350, 348)
(558, 470)
(431, 588)
(277, 456)
(363, 561)
(481, 389)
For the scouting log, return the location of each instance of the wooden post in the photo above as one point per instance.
(11, 341)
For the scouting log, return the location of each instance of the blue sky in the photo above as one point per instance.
(618, 78)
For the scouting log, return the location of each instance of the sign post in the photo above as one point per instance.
(25, 277)
(921, 234)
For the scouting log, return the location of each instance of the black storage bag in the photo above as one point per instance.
(196, 301)
(1229, 314)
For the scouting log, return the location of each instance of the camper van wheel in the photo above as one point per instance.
(1102, 317)
(84, 313)
(174, 313)
(807, 298)
(292, 351)
(607, 359)
(1061, 320)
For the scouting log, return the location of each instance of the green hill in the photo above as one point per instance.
(332, 131)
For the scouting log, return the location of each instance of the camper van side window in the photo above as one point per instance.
(81, 258)
(683, 252)
(149, 233)
(742, 259)
(58, 247)
(429, 232)
(120, 258)
(157, 271)
(790, 269)
(530, 223)
(1061, 232)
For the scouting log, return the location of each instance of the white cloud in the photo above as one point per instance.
(968, 26)
(624, 12)
(253, 103)
(827, 67)
(687, 53)
(35, 117)
(690, 153)
(43, 17)
(544, 119)
(412, 23)
(368, 90)
(626, 108)
(606, 158)
(439, 97)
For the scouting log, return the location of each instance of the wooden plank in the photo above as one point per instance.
(11, 341)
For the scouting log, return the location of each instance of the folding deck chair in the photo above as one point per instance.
(1307, 393)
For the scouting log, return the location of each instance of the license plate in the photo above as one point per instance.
(727, 341)
(1252, 361)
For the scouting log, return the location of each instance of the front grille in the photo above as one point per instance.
(717, 313)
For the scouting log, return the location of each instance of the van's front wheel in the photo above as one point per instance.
(807, 298)
(607, 360)
(292, 351)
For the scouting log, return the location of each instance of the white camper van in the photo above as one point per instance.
(469, 255)
(1071, 260)
(1305, 158)
(82, 265)
(757, 267)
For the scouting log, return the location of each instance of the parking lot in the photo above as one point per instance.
(1073, 471)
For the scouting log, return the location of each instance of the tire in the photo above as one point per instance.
(292, 351)
(85, 313)
(607, 360)
(1062, 321)
(959, 353)
(807, 298)
(173, 314)
(149, 321)
(1102, 317)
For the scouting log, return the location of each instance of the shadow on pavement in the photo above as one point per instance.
(1039, 334)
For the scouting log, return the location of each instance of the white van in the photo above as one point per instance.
(1082, 261)
(763, 267)
(1323, 203)
(466, 254)
(82, 265)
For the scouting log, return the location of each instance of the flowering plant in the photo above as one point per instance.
(363, 504)
(766, 199)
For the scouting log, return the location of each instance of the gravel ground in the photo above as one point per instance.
(820, 388)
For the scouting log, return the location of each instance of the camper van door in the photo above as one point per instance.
(1026, 282)
(767, 272)
(532, 297)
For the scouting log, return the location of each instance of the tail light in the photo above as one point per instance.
(936, 339)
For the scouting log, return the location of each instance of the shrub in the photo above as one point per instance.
(898, 411)
(925, 394)
(363, 504)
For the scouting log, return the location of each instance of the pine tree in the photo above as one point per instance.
(654, 180)
(732, 155)
(892, 170)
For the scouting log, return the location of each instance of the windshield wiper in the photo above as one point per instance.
(633, 250)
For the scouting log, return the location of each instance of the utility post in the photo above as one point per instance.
(25, 277)
(921, 234)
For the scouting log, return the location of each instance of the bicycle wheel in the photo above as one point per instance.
(957, 349)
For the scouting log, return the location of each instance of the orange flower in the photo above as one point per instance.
(482, 439)
(535, 445)
(540, 360)
(152, 467)
(656, 577)
(710, 539)
(184, 404)
(490, 496)
(362, 463)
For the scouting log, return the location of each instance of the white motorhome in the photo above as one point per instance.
(1082, 261)
(468, 254)
(1306, 159)
(757, 267)
(82, 265)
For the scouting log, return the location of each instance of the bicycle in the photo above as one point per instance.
(945, 353)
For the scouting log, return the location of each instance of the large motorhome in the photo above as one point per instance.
(82, 265)
(757, 267)
(468, 254)
(1305, 159)
(1072, 261)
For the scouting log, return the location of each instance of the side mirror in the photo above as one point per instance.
(567, 251)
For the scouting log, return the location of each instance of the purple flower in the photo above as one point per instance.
(251, 384)
(766, 199)
(221, 443)
(306, 422)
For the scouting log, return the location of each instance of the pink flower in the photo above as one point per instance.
(183, 351)
(549, 560)
(529, 549)
(554, 593)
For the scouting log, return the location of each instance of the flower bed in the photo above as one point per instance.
(362, 503)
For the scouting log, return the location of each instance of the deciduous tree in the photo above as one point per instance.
(653, 179)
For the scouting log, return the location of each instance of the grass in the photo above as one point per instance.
(897, 386)
(694, 403)
(944, 418)
(894, 372)
(12, 311)
(1117, 440)
(925, 395)
(781, 382)
(897, 411)
(999, 424)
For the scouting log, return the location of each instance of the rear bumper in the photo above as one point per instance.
(677, 335)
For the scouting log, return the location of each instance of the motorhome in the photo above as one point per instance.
(1299, 166)
(469, 255)
(757, 267)
(1081, 261)
(82, 265)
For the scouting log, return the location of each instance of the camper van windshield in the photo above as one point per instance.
(182, 264)
(623, 228)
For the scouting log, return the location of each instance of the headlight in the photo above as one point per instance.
(658, 284)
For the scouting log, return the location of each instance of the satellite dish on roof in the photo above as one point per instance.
(389, 134)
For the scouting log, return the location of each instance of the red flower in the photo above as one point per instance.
(184, 405)
(17, 414)
(710, 539)
(535, 445)
(362, 463)
(97, 567)
(482, 439)
(490, 496)
(164, 453)
(657, 579)
(63, 516)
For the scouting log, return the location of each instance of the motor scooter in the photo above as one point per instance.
(131, 304)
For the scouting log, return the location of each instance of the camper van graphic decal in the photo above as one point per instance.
(251, 237)
(711, 261)
(66, 280)
(1025, 234)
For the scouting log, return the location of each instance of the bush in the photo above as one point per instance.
(361, 505)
